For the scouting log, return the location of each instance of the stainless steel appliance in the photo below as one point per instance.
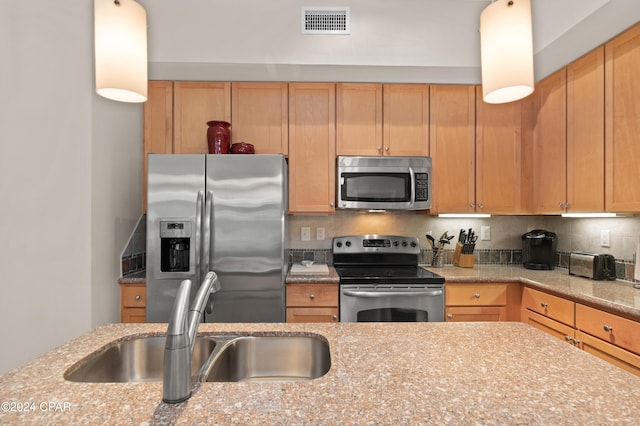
(384, 183)
(225, 213)
(380, 280)
(539, 249)
(591, 265)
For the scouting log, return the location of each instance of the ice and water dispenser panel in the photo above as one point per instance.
(175, 245)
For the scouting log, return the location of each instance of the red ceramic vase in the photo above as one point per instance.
(218, 137)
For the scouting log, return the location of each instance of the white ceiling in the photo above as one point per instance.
(403, 40)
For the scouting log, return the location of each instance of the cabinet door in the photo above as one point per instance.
(260, 114)
(476, 294)
(550, 144)
(498, 157)
(312, 147)
(405, 114)
(624, 359)
(622, 93)
(312, 314)
(476, 313)
(359, 119)
(585, 133)
(157, 125)
(312, 295)
(452, 134)
(609, 327)
(195, 103)
(549, 326)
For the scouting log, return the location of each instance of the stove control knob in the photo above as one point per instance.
(404, 244)
(348, 243)
(339, 244)
(413, 244)
(395, 244)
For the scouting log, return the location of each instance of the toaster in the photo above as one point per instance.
(591, 265)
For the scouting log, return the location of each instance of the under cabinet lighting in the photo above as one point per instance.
(464, 215)
(585, 215)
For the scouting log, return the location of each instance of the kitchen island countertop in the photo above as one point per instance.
(381, 373)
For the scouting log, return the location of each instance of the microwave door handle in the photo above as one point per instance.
(206, 231)
(378, 294)
(413, 186)
(198, 231)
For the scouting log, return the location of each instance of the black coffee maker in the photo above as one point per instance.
(539, 249)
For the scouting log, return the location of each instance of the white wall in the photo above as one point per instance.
(69, 180)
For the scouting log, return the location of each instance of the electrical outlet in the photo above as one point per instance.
(305, 233)
(320, 234)
(605, 238)
(485, 233)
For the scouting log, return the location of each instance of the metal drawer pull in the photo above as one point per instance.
(137, 297)
(334, 317)
(449, 316)
(376, 294)
(607, 328)
(477, 295)
(544, 305)
(568, 338)
(312, 296)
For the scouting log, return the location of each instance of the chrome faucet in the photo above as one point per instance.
(181, 338)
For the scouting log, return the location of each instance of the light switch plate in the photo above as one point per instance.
(305, 233)
(320, 234)
(485, 233)
(605, 238)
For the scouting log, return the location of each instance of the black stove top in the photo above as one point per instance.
(380, 259)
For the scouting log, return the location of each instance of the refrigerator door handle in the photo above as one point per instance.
(206, 233)
(198, 230)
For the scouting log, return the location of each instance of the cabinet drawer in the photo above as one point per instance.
(609, 327)
(476, 294)
(549, 326)
(312, 295)
(617, 356)
(133, 295)
(476, 313)
(312, 314)
(548, 305)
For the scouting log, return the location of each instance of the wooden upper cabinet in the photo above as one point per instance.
(260, 114)
(550, 144)
(312, 147)
(622, 92)
(452, 140)
(359, 119)
(158, 126)
(499, 168)
(585, 133)
(405, 113)
(195, 103)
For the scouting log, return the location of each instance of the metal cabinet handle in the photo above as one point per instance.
(544, 305)
(481, 206)
(561, 205)
(576, 342)
(568, 338)
(331, 204)
(137, 297)
(449, 316)
(477, 295)
(386, 149)
(473, 206)
(379, 148)
(312, 296)
(334, 317)
(607, 328)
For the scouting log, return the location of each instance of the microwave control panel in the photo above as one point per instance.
(422, 187)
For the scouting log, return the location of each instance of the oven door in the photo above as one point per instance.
(392, 303)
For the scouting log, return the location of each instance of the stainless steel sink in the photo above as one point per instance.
(136, 360)
(270, 358)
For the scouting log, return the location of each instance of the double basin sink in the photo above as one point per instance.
(289, 357)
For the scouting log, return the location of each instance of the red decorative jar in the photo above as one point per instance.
(218, 137)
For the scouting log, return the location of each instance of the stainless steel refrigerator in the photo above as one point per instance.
(225, 213)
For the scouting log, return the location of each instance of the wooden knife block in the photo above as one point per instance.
(460, 259)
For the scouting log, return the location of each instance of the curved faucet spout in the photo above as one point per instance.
(181, 338)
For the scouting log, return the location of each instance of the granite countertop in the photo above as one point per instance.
(381, 373)
(618, 297)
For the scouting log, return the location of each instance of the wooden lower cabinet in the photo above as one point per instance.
(312, 302)
(482, 302)
(549, 326)
(133, 302)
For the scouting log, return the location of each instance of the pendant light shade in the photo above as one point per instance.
(121, 50)
(506, 47)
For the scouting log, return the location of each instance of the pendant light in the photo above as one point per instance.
(506, 47)
(121, 50)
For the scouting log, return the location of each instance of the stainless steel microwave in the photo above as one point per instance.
(384, 183)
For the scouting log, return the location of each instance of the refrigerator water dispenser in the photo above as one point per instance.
(175, 244)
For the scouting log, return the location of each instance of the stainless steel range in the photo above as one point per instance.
(380, 280)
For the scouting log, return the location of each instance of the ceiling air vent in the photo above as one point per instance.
(325, 20)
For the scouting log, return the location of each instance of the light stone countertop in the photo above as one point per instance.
(381, 373)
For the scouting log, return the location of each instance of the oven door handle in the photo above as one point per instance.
(374, 294)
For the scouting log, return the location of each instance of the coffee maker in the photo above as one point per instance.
(539, 249)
